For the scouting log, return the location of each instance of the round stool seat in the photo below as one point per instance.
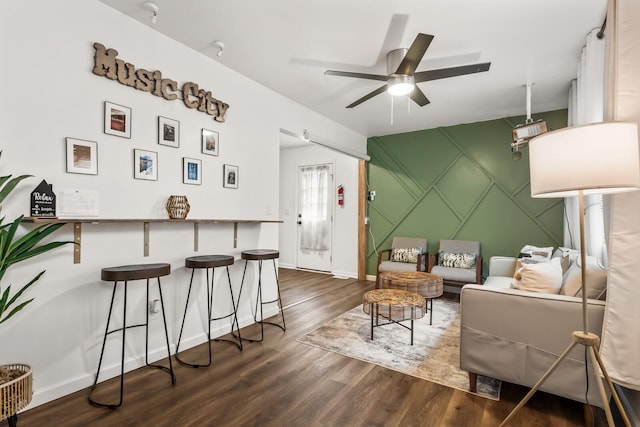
(125, 273)
(208, 261)
(260, 254)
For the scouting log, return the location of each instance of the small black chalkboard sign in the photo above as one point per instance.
(43, 201)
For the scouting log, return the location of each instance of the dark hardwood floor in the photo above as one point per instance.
(281, 382)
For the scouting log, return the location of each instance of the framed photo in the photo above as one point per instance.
(168, 132)
(82, 156)
(191, 171)
(117, 120)
(145, 165)
(230, 177)
(210, 142)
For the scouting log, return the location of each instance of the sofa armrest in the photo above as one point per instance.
(515, 336)
(502, 266)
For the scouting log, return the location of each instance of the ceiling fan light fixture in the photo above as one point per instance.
(400, 85)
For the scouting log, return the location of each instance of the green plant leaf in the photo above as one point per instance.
(8, 186)
(15, 310)
(24, 288)
(3, 300)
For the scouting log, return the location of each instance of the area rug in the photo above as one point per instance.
(434, 355)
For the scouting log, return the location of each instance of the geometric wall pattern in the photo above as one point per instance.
(459, 182)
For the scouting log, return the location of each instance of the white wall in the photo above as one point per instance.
(50, 93)
(345, 226)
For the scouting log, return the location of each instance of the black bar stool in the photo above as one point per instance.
(210, 262)
(124, 274)
(261, 255)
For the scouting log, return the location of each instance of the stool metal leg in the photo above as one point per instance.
(186, 305)
(260, 302)
(234, 313)
(166, 335)
(104, 342)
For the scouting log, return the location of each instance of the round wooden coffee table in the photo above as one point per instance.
(426, 284)
(393, 305)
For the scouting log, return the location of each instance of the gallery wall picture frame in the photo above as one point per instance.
(145, 164)
(230, 176)
(210, 142)
(117, 120)
(82, 156)
(191, 171)
(168, 132)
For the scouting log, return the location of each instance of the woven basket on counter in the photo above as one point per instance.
(178, 207)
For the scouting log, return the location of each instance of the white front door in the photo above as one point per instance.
(315, 217)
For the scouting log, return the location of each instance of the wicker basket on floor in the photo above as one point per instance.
(16, 394)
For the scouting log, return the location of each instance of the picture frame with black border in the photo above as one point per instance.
(168, 132)
(145, 165)
(117, 120)
(191, 171)
(210, 142)
(82, 156)
(230, 176)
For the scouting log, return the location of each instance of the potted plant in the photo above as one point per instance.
(15, 379)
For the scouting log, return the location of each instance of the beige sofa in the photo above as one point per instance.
(516, 335)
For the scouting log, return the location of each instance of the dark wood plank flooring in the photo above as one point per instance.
(281, 382)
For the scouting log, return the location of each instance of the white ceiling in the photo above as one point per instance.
(287, 45)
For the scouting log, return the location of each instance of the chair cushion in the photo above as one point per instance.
(457, 260)
(406, 254)
(397, 266)
(455, 274)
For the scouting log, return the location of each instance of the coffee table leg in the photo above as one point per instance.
(411, 331)
(430, 307)
(371, 305)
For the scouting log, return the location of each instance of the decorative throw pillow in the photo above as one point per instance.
(596, 279)
(536, 254)
(545, 277)
(405, 254)
(456, 260)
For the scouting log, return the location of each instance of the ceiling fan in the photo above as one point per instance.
(402, 77)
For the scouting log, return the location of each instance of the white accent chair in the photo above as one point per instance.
(454, 275)
(385, 262)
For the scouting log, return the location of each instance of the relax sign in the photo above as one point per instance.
(108, 65)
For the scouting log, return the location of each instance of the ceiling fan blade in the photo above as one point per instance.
(368, 96)
(414, 54)
(443, 73)
(356, 75)
(418, 97)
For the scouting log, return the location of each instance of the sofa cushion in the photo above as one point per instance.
(498, 282)
(457, 260)
(596, 279)
(464, 275)
(539, 277)
(405, 254)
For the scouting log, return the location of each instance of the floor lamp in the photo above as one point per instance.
(599, 158)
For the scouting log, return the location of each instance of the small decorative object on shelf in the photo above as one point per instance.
(178, 207)
(43, 201)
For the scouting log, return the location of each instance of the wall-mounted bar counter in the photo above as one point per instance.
(77, 228)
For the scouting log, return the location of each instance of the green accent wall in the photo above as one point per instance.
(459, 182)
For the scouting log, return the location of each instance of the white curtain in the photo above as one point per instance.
(586, 105)
(314, 207)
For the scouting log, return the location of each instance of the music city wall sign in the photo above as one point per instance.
(107, 64)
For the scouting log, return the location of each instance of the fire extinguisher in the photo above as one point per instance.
(340, 195)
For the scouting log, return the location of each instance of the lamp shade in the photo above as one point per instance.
(596, 158)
